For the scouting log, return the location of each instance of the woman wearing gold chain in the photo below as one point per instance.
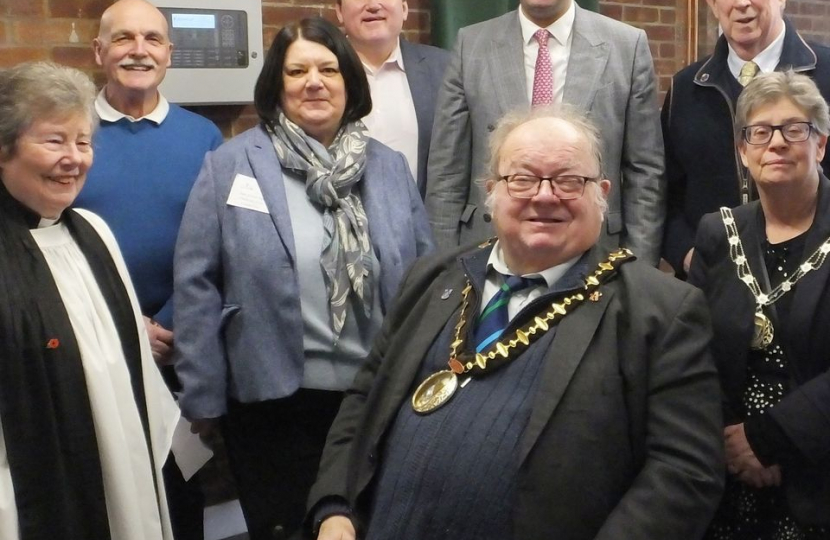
(764, 274)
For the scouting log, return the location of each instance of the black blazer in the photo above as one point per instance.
(624, 440)
(804, 414)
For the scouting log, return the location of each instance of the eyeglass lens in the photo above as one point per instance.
(792, 132)
(526, 186)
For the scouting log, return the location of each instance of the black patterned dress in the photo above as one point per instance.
(747, 513)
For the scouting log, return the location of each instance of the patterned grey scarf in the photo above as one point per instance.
(331, 175)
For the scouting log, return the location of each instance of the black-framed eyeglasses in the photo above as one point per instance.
(526, 186)
(792, 132)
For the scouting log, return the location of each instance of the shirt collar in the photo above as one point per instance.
(46, 222)
(560, 29)
(767, 59)
(550, 275)
(108, 113)
(395, 60)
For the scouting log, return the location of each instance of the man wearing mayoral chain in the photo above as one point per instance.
(535, 386)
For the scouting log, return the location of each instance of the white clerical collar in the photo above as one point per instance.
(550, 275)
(560, 29)
(395, 59)
(108, 113)
(767, 59)
(46, 222)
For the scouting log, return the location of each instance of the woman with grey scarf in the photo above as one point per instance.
(293, 243)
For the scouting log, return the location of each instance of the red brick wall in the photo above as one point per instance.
(665, 24)
(41, 29)
(812, 17)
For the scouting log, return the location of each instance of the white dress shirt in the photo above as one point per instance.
(767, 59)
(522, 297)
(560, 50)
(392, 120)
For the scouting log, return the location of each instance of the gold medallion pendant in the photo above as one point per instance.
(435, 391)
(762, 332)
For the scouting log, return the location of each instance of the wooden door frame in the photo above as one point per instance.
(692, 29)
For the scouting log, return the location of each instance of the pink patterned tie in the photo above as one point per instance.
(543, 76)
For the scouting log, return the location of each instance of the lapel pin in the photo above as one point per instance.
(446, 294)
(595, 296)
(53, 343)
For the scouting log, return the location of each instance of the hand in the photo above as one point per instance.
(204, 427)
(336, 528)
(161, 342)
(687, 260)
(742, 461)
(765, 477)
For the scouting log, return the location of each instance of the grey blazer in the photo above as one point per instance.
(610, 78)
(239, 329)
(425, 66)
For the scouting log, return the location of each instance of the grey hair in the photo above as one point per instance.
(767, 88)
(35, 90)
(512, 121)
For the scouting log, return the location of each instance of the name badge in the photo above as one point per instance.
(245, 193)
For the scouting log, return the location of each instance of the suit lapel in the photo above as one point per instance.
(809, 290)
(442, 300)
(417, 75)
(419, 80)
(505, 61)
(401, 363)
(403, 360)
(268, 173)
(587, 62)
(573, 335)
(375, 198)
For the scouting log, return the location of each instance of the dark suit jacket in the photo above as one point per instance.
(425, 67)
(624, 440)
(703, 169)
(804, 414)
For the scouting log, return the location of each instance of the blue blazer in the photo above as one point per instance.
(239, 329)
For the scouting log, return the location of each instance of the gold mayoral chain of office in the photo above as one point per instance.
(763, 332)
(437, 389)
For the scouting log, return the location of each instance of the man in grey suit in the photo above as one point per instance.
(584, 406)
(403, 77)
(601, 66)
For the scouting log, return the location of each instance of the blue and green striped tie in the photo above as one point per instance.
(494, 319)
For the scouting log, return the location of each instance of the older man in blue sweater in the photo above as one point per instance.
(148, 153)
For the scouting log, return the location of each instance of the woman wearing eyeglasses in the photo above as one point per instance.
(764, 271)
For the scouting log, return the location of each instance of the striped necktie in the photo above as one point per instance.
(494, 319)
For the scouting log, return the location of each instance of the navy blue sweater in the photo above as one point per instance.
(139, 184)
